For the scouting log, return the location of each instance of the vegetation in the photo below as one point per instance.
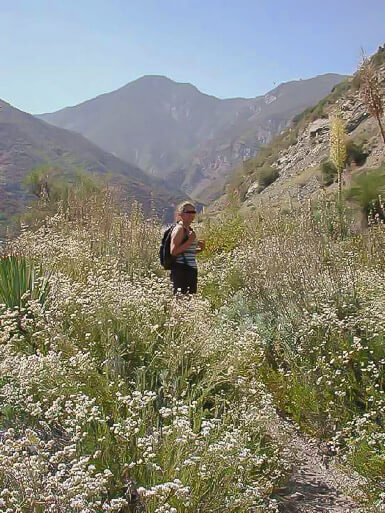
(372, 93)
(222, 234)
(266, 176)
(132, 396)
(329, 172)
(356, 153)
(117, 396)
(53, 188)
(367, 189)
(338, 147)
(308, 285)
(20, 280)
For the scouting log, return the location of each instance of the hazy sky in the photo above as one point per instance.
(59, 53)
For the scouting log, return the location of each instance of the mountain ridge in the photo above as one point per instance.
(26, 142)
(173, 130)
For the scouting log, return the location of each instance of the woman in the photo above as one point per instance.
(184, 246)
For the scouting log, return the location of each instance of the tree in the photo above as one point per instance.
(371, 92)
(338, 147)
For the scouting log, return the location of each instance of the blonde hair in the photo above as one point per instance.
(181, 208)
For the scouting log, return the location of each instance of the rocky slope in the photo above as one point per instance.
(191, 139)
(26, 142)
(298, 165)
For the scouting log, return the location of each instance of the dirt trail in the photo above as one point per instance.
(317, 483)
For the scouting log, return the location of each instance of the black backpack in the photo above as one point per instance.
(165, 256)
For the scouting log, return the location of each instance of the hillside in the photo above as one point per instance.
(191, 139)
(298, 153)
(26, 142)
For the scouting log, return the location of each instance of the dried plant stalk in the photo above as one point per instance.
(371, 92)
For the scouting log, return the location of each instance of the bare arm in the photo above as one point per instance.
(177, 246)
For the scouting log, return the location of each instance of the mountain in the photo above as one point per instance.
(26, 142)
(191, 139)
(296, 165)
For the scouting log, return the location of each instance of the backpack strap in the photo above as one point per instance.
(183, 241)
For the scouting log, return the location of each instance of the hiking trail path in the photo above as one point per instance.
(317, 484)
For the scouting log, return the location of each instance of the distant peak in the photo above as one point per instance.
(153, 78)
(157, 80)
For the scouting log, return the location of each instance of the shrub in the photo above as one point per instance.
(266, 175)
(356, 153)
(222, 235)
(329, 172)
(366, 188)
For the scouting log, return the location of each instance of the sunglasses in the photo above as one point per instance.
(189, 211)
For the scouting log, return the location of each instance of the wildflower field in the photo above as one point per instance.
(117, 396)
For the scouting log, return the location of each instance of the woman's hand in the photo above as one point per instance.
(201, 244)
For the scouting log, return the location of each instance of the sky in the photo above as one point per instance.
(57, 53)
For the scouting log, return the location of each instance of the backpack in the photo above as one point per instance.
(165, 256)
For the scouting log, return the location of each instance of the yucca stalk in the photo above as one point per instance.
(338, 147)
(371, 92)
(18, 276)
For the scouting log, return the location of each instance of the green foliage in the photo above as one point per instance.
(218, 290)
(356, 153)
(156, 388)
(312, 292)
(222, 234)
(365, 461)
(266, 175)
(332, 218)
(134, 384)
(366, 187)
(18, 277)
(329, 172)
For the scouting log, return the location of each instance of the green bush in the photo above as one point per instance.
(266, 175)
(356, 153)
(223, 235)
(366, 188)
(329, 172)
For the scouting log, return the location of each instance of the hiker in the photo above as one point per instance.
(183, 247)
